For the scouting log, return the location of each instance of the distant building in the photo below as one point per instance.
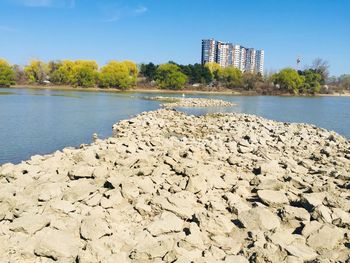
(209, 50)
(228, 54)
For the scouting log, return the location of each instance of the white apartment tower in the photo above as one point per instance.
(236, 56)
(224, 54)
(227, 54)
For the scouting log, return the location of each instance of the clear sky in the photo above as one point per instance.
(163, 30)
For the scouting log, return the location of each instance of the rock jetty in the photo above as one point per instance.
(175, 102)
(169, 187)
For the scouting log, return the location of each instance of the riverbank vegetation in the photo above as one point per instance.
(172, 76)
(7, 75)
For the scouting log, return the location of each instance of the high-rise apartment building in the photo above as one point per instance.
(224, 54)
(227, 54)
(209, 50)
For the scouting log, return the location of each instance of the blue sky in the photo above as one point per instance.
(163, 30)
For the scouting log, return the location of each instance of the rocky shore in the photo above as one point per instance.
(168, 187)
(175, 102)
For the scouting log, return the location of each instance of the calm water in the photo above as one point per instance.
(42, 121)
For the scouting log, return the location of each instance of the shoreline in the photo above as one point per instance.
(226, 187)
(141, 90)
(154, 90)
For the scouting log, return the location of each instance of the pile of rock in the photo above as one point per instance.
(169, 187)
(174, 102)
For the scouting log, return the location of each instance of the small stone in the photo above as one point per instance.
(197, 184)
(298, 213)
(58, 245)
(310, 201)
(310, 227)
(130, 191)
(327, 237)
(273, 198)
(81, 172)
(64, 206)
(302, 252)
(235, 259)
(29, 224)
(322, 213)
(79, 190)
(94, 228)
(293, 259)
(167, 223)
(259, 218)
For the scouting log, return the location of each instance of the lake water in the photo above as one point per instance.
(43, 121)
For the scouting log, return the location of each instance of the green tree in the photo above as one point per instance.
(36, 71)
(7, 75)
(117, 74)
(84, 73)
(80, 73)
(53, 66)
(63, 73)
(197, 73)
(312, 81)
(288, 80)
(169, 76)
(132, 69)
(214, 69)
(148, 71)
(230, 77)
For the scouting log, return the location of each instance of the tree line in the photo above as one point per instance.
(126, 74)
(79, 73)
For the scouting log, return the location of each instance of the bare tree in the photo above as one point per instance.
(321, 66)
